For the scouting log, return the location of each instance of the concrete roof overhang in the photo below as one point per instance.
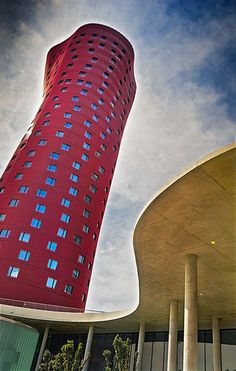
(194, 214)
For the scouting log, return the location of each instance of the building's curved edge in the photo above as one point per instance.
(180, 175)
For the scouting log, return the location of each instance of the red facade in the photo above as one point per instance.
(54, 190)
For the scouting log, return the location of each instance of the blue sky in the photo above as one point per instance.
(184, 108)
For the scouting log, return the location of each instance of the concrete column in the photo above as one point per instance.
(217, 364)
(190, 356)
(88, 348)
(141, 337)
(173, 332)
(43, 344)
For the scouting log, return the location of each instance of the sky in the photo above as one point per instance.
(185, 54)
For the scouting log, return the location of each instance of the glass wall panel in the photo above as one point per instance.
(228, 357)
(209, 357)
(147, 356)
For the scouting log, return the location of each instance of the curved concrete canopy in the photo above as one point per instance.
(194, 214)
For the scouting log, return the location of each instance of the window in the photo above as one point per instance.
(63, 90)
(51, 283)
(86, 228)
(86, 145)
(52, 245)
(52, 167)
(50, 181)
(18, 175)
(94, 236)
(62, 232)
(68, 288)
(101, 169)
(94, 106)
(100, 101)
(88, 84)
(73, 191)
(80, 82)
(75, 273)
(52, 264)
(103, 147)
(106, 74)
(65, 202)
(94, 59)
(108, 118)
(91, 50)
(87, 123)
(76, 108)
(46, 123)
(65, 218)
(13, 203)
(74, 177)
(82, 73)
(42, 142)
(85, 157)
(100, 90)
(95, 117)
(40, 208)
(86, 213)
(13, 272)
(88, 66)
(95, 176)
(23, 189)
(81, 259)
(4, 233)
(97, 153)
(88, 135)
(68, 125)
(76, 165)
(67, 114)
(27, 164)
(75, 98)
(103, 135)
(105, 84)
(41, 192)
(87, 199)
(54, 155)
(77, 239)
(68, 81)
(24, 255)
(31, 153)
(101, 45)
(75, 57)
(93, 188)
(55, 97)
(84, 92)
(24, 237)
(57, 105)
(36, 223)
(109, 130)
(83, 297)
(65, 147)
(2, 217)
(60, 133)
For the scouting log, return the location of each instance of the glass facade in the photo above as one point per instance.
(155, 349)
(17, 343)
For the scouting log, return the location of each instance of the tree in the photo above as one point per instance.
(122, 355)
(68, 359)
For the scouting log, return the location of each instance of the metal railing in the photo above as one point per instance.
(40, 306)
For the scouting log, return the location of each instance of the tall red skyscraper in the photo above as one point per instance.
(54, 190)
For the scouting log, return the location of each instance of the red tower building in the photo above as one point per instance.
(54, 190)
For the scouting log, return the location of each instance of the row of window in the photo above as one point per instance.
(50, 283)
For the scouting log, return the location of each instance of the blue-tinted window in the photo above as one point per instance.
(65, 147)
(88, 135)
(52, 245)
(75, 273)
(84, 92)
(40, 208)
(81, 259)
(4, 233)
(80, 82)
(86, 228)
(87, 123)
(23, 189)
(51, 283)
(67, 114)
(95, 117)
(13, 203)
(52, 264)
(100, 101)
(13, 272)
(68, 125)
(74, 177)
(59, 133)
(68, 288)
(100, 90)
(27, 164)
(94, 106)
(75, 98)
(42, 142)
(31, 153)
(76, 165)
(50, 181)
(65, 218)
(52, 167)
(62, 232)
(88, 84)
(36, 223)
(85, 157)
(86, 145)
(54, 155)
(73, 191)
(2, 217)
(24, 237)
(18, 175)
(65, 202)
(24, 255)
(41, 192)
(76, 107)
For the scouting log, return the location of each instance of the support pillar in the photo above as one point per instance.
(141, 337)
(217, 364)
(41, 351)
(190, 356)
(173, 333)
(88, 348)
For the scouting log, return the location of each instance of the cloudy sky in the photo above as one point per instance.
(184, 107)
